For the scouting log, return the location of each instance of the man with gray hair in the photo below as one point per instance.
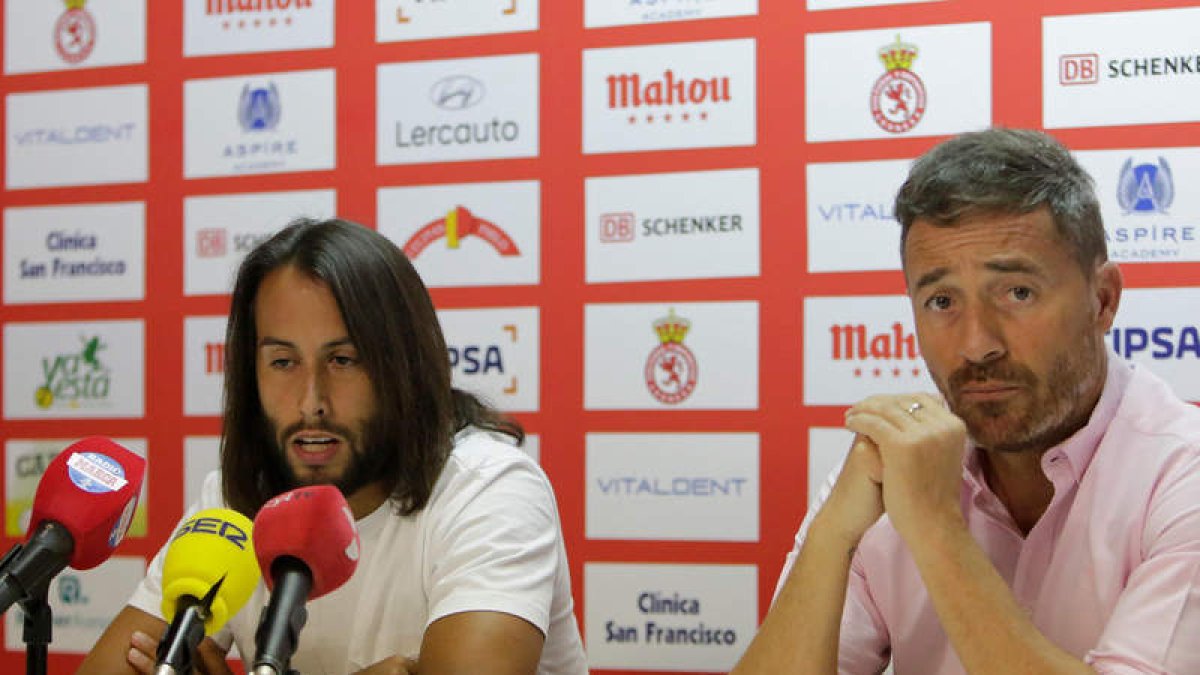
(1043, 513)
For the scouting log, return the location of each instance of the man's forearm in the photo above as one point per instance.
(987, 628)
(800, 633)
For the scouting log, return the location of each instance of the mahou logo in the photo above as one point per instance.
(75, 32)
(892, 353)
(459, 224)
(898, 97)
(667, 99)
(671, 369)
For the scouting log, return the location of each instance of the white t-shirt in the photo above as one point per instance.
(488, 540)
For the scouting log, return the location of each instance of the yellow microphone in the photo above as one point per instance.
(209, 572)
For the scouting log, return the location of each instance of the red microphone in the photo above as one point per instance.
(307, 545)
(82, 508)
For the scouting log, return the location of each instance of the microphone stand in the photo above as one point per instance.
(39, 623)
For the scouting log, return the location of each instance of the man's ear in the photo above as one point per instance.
(1107, 286)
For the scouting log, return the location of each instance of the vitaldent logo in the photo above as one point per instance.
(458, 224)
(889, 353)
(75, 32)
(898, 97)
(668, 99)
(671, 370)
(75, 379)
(678, 486)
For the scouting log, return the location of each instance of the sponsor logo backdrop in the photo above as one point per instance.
(659, 233)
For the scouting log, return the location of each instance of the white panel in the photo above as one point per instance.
(692, 487)
(630, 365)
(690, 225)
(473, 234)
(945, 89)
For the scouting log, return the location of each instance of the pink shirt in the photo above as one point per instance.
(1111, 572)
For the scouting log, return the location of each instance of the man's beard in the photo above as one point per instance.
(362, 458)
(1042, 414)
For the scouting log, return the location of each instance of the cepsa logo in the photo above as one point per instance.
(1161, 343)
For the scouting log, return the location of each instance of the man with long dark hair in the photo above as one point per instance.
(1043, 514)
(337, 373)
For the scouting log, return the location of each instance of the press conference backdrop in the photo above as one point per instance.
(659, 232)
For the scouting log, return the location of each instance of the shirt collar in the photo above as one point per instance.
(1077, 450)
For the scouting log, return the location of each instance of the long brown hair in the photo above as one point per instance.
(391, 320)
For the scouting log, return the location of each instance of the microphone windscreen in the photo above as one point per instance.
(212, 545)
(91, 488)
(313, 524)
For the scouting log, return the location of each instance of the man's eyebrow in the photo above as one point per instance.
(931, 277)
(1003, 265)
(1013, 265)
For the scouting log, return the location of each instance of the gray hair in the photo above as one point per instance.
(998, 171)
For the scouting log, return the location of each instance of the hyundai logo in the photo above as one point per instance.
(457, 92)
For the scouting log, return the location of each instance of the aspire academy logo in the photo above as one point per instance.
(458, 224)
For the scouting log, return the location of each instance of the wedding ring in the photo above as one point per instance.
(913, 407)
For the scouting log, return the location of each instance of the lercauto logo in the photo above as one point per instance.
(456, 92)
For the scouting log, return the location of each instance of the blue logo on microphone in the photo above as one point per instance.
(95, 473)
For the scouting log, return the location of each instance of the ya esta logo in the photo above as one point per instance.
(457, 92)
(75, 32)
(75, 379)
(1145, 188)
(667, 99)
(898, 97)
(458, 224)
(877, 354)
(259, 108)
(671, 370)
